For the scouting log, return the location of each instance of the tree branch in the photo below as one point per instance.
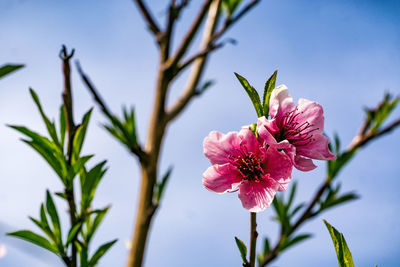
(230, 21)
(148, 18)
(199, 55)
(71, 130)
(187, 40)
(198, 64)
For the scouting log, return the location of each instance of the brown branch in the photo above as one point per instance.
(230, 21)
(71, 130)
(148, 18)
(369, 137)
(199, 55)
(253, 238)
(187, 40)
(198, 64)
(308, 212)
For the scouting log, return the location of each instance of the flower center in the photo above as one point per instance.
(298, 134)
(248, 164)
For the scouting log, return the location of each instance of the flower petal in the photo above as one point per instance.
(249, 140)
(256, 196)
(221, 178)
(303, 164)
(317, 149)
(266, 130)
(218, 146)
(311, 112)
(279, 167)
(280, 102)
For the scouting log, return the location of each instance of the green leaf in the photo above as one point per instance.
(80, 134)
(291, 196)
(100, 252)
(267, 248)
(51, 128)
(49, 157)
(160, 186)
(334, 200)
(62, 126)
(254, 97)
(96, 222)
(130, 126)
(45, 229)
(204, 87)
(230, 6)
(78, 165)
(89, 183)
(342, 251)
(242, 248)
(73, 233)
(269, 86)
(52, 211)
(7, 69)
(83, 254)
(295, 240)
(296, 209)
(35, 239)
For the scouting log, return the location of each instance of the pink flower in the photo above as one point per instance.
(297, 130)
(240, 162)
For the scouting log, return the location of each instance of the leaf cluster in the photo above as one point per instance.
(53, 149)
(261, 108)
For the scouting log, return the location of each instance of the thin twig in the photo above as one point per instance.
(376, 134)
(148, 18)
(198, 64)
(200, 54)
(230, 21)
(187, 40)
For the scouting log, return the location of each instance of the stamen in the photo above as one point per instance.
(291, 130)
(247, 163)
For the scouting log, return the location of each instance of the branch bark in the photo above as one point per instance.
(153, 26)
(71, 130)
(198, 64)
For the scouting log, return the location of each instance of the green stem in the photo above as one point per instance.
(253, 238)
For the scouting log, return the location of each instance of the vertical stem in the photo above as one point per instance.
(253, 238)
(71, 129)
(157, 127)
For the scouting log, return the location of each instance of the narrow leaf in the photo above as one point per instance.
(62, 126)
(72, 233)
(342, 251)
(51, 128)
(254, 97)
(96, 222)
(100, 252)
(242, 248)
(35, 239)
(81, 133)
(160, 186)
(269, 86)
(7, 69)
(52, 211)
(296, 240)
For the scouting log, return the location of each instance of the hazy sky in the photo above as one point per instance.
(343, 54)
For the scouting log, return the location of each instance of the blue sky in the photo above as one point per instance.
(342, 54)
